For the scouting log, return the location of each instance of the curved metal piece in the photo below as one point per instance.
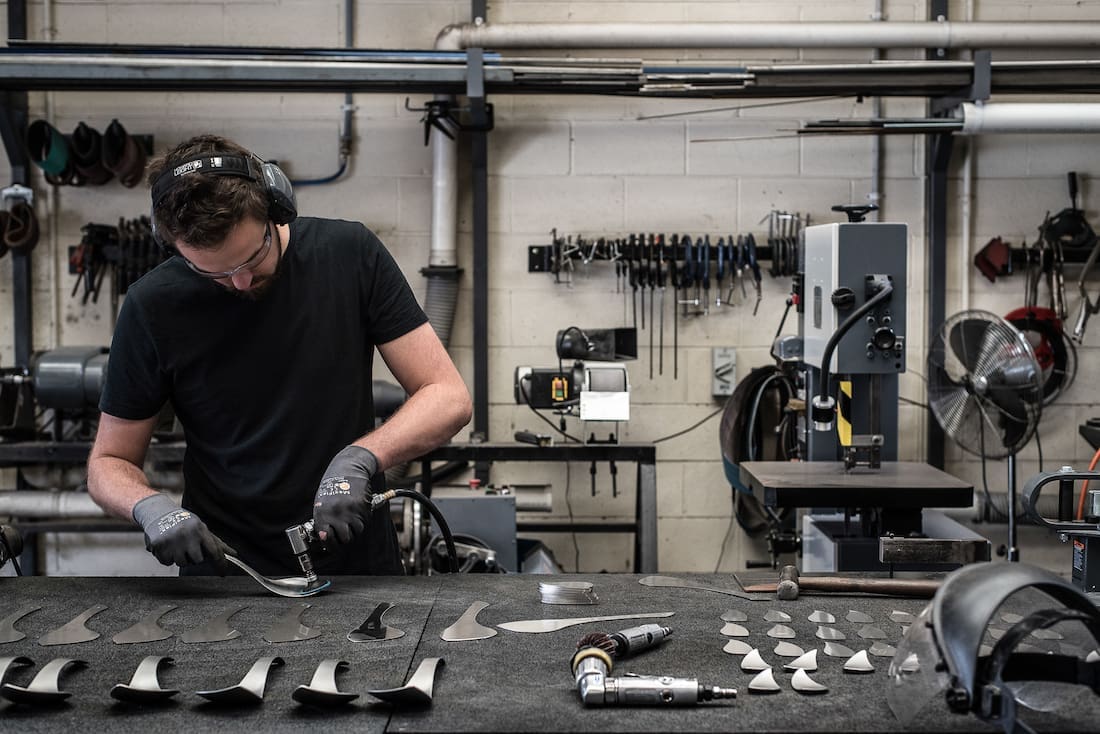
(44, 690)
(859, 663)
(73, 631)
(13, 662)
(764, 682)
(882, 650)
(216, 630)
(788, 650)
(734, 615)
(737, 647)
(803, 683)
(8, 632)
(146, 630)
(829, 633)
(782, 632)
(372, 629)
(774, 615)
(418, 691)
(871, 632)
(675, 583)
(144, 688)
(289, 627)
(732, 629)
(294, 586)
(856, 617)
(467, 627)
(807, 662)
(250, 691)
(836, 650)
(753, 661)
(553, 625)
(820, 617)
(322, 691)
(1034, 487)
(901, 617)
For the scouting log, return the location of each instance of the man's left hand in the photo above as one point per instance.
(342, 502)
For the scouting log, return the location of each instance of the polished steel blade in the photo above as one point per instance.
(553, 625)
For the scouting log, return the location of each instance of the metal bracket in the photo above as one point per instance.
(980, 89)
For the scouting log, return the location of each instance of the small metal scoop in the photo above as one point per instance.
(250, 691)
(418, 691)
(373, 629)
(294, 586)
(144, 688)
(43, 690)
(322, 691)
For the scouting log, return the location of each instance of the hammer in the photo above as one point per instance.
(790, 583)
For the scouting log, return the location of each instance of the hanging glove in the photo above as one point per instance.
(342, 502)
(177, 536)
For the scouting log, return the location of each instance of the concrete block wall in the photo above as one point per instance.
(581, 165)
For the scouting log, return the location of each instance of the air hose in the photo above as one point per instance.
(389, 494)
(824, 405)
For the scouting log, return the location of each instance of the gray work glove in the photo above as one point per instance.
(178, 536)
(342, 502)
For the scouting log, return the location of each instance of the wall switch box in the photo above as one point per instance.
(724, 376)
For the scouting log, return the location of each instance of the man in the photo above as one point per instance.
(261, 334)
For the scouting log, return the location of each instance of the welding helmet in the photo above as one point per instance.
(996, 637)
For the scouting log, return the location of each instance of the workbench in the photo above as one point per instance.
(510, 682)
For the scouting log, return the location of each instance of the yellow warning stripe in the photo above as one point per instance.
(844, 413)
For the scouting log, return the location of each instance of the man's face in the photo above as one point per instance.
(245, 263)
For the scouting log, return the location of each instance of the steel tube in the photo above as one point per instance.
(824, 34)
(42, 504)
(1025, 117)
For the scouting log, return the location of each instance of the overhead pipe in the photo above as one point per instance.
(812, 34)
(1028, 117)
(42, 504)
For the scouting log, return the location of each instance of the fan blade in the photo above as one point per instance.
(964, 336)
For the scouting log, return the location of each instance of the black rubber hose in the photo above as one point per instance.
(844, 328)
(444, 528)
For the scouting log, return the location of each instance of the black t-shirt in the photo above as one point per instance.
(267, 391)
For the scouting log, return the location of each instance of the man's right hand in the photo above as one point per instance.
(177, 536)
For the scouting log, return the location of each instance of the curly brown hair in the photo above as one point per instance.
(201, 210)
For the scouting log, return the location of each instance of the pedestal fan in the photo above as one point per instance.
(985, 389)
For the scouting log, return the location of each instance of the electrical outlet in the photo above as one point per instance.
(724, 375)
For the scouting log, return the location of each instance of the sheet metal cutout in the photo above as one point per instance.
(753, 661)
(322, 691)
(553, 625)
(146, 630)
(466, 627)
(567, 592)
(73, 631)
(806, 662)
(901, 617)
(290, 628)
(788, 650)
(859, 663)
(144, 688)
(882, 650)
(803, 683)
(372, 630)
(737, 647)
(732, 629)
(782, 632)
(250, 691)
(734, 615)
(418, 691)
(774, 615)
(45, 689)
(820, 617)
(764, 682)
(8, 632)
(675, 583)
(216, 630)
(829, 633)
(7, 664)
(836, 650)
(856, 617)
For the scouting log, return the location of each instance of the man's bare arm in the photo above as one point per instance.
(116, 481)
(438, 405)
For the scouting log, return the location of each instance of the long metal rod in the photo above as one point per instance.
(811, 34)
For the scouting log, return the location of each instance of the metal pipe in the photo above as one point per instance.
(1026, 117)
(40, 504)
(814, 34)
(444, 248)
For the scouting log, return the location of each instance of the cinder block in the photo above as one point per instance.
(619, 148)
(670, 489)
(688, 204)
(698, 556)
(836, 156)
(401, 25)
(742, 147)
(572, 204)
(73, 23)
(316, 24)
(372, 200)
(813, 197)
(530, 149)
(394, 149)
(707, 492)
(157, 22)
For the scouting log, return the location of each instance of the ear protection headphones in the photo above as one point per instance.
(282, 207)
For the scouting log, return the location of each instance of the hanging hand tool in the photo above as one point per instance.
(643, 273)
(742, 263)
(705, 256)
(755, 272)
(651, 278)
(592, 474)
(614, 479)
(697, 273)
(687, 275)
(633, 274)
(674, 281)
(721, 273)
(662, 254)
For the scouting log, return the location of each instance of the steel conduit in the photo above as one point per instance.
(824, 34)
(1025, 117)
(40, 504)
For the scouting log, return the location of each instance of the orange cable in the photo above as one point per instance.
(1085, 487)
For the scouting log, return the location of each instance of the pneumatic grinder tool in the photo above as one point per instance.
(301, 537)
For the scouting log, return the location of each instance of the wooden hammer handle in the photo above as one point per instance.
(921, 588)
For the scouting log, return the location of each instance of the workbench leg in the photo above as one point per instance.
(645, 520)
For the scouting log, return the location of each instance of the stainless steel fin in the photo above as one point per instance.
(322, 691)
(144, 688)
(803, 683)
(216, 630)
(732, 629)
(418, 691)
(737, 647)
(553, 625)
(788, 650)
(250, 691)
(753, 661)
(871, 632)
(45, 689)
(147, 629)
(74, 631)
(782, 632)
(820, 617)
(373, 629)
(290, 628)
(734, 615)
(856, 617)
(764, 682)
(466, 627)
(8, 632)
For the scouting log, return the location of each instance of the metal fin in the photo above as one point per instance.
(829, 633)
(322, 691)
(859, 663)
(289, 627)
(788, 650)
(753, 661)
(8, 633)
(734, 615)
(805, 662)
(901, 617)
(374, 629)
(74, 631)
(871, 632)
(820, 617)
(732, 629)
(882, 650)
(418, 691)
(737, 647)
(774, 615)
(216, 630)
(803, 683)
(45, 689)
(144, 688)
(250, 690)
(836, 650)
(147, 629)
(856, 617)
(467, 627)
(782, 632)
(764, 682)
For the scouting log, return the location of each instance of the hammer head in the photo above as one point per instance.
(787, 587)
